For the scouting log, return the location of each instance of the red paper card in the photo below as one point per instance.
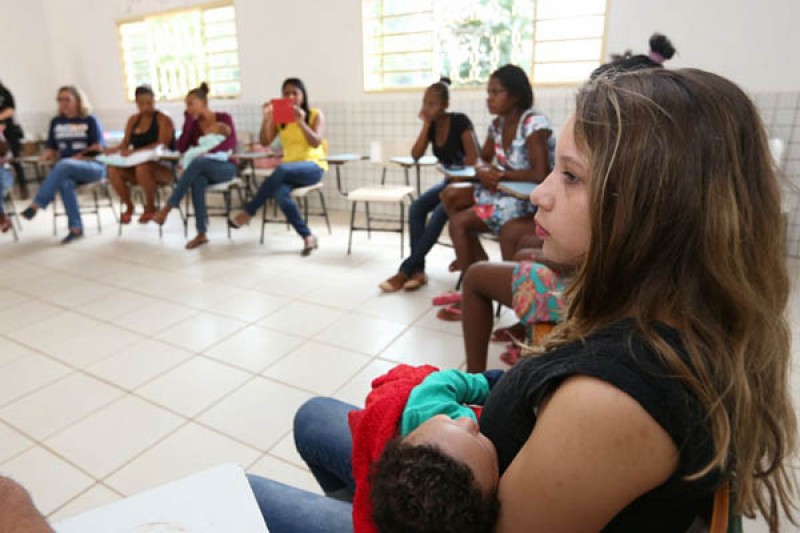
(282, 110)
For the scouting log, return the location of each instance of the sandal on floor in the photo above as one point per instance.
(28, 213)
(394, 284)
(454, 267)
(146, 217)
(451, 313)
(310, 244)
(71, 237)
(126, 217)
(416, 281)
(447, 298)
(511, 355)
(513, 333)
(234, 223)
(196, 242)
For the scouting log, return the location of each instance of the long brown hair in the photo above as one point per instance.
(686, 228)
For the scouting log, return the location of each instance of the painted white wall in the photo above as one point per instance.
(75, 41)
(26, 66)
(752, 43)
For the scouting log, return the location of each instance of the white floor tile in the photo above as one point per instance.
(27, 374)
(53, 330)
(50, 480)
(200, 331)
(193, 386)
(10, 350)
(115, 304)
(92, 345)
(301, 319)
(355, 391)
(97, 496)
(12, 442)
(287, 451)
(111, 437)
(72, 297)
(254, 348)
(361, 333)
(189, 450)
(401, 307)
(430, 321)
(258, 413)
(249, 306)
(341, 296)
(139, 363)
(317, 367)
(277, 470)
(11, 298)
(58, 405)
(25, 314)
(419, 346)
(154, 317)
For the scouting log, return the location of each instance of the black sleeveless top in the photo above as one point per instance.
(148, 137)
(452, 151)
(618, 356)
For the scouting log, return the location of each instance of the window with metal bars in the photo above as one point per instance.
(409, 44)
(174, 52)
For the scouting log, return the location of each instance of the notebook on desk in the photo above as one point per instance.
(520, 189)
(460, 173)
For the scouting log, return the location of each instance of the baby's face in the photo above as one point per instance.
(461, 440)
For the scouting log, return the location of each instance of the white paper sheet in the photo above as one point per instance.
(218, 500)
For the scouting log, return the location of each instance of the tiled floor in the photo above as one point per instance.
(128, 362)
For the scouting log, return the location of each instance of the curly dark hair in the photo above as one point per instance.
(420, 489)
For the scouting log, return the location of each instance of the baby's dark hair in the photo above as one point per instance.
(442, 89)
(661, 49)
(420, 489)
(144, 89)
(516, 83)
(200, 92)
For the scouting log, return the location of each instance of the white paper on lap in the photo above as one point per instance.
(218, 500)
(127, 161)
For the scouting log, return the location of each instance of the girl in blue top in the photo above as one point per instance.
(73, 134)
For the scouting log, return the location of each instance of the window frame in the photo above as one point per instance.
(546, 85)
(141, 17)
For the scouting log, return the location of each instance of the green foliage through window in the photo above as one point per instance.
(411, 43)
(175, 52)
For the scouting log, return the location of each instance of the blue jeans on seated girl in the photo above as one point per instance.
(279, 185)
(201, 173)
(65, 176)
(6, 182)
(322, 437)
(424, 231)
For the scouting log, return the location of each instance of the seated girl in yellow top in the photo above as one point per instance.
(303, 160)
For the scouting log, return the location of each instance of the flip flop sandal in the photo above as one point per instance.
(508, 334)
(447, 298)
(449, 314)
(453, 267)
(511, 355)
